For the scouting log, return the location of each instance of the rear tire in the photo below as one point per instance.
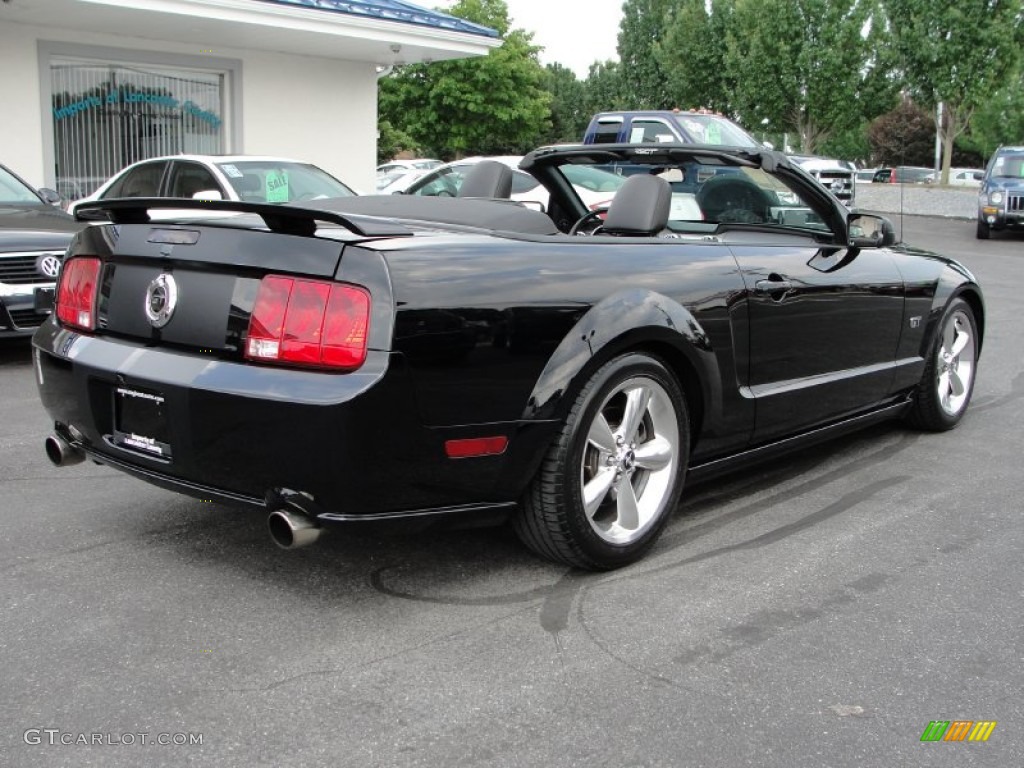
(612, 478)
(984, 232)
(942, 396)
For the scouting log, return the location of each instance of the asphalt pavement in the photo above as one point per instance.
(817, 611)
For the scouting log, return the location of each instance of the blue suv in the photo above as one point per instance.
(1001, 198)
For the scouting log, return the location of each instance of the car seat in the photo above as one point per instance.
(640, 208)
(488, 178)
(249, 188)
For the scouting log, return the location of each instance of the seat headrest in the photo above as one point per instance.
(640, 207)
(488, 178)
(248, 183)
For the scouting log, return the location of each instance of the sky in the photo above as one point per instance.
(574, 33)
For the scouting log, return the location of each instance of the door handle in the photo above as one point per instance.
(772, 286)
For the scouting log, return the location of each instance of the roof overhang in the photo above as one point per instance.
(215, 25)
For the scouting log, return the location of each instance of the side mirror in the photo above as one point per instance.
(767, 145)
(979, 175)
(208, 194)
(865, 230)
(51, 196)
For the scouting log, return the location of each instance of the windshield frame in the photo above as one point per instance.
(9, 180)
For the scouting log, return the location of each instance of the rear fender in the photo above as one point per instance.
(634, 319)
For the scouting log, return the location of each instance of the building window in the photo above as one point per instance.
(107, 116)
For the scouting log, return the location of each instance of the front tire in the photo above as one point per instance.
(984, 232)
(944, 393)
(611, 480)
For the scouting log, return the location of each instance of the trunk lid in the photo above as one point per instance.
(215, 272)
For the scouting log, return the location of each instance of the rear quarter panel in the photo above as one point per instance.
(507, 329)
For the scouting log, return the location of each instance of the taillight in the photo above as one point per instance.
(76, 292)
(309, 322)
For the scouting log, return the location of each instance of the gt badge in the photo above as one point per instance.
(161, 299)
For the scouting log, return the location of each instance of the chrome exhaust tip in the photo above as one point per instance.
(61, 453)
(290, 530)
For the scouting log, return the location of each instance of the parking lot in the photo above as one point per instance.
(818, 611)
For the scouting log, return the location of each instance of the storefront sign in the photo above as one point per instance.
(137, 97)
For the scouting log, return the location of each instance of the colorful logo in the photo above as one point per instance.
(958, 730)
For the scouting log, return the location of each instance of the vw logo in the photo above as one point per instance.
(48, 265)
(161, 299)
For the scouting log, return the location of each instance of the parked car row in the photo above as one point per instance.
(905, 174)
(35, 233)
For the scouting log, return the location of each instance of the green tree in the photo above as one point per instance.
(569, 115)
(806, 66)
(642, 27)
(851, 144)
(957, 53)
(693, 59)
(903, 136)
(604, 88)
(491, 104)
(391, 141)
(1000, 120)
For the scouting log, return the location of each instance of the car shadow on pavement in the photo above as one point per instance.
(486, 566)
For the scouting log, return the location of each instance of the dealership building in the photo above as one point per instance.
(89, 86)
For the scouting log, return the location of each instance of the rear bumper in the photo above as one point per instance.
(237, 432)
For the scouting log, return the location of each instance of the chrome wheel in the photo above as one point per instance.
(630, 460)
(955, 363)
(610, 480)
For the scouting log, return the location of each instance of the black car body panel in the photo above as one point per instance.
(485, 323)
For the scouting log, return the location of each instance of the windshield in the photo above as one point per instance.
(712, 129)
(706, 194)
(12, 190)
(270, 181)
(1009, 166)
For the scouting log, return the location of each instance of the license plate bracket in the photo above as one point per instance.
(43, 300)
(140, 421)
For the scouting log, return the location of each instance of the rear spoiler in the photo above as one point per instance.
(283, 219)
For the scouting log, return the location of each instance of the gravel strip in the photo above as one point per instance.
(919, 200)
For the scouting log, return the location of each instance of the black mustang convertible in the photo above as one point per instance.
(475, 360)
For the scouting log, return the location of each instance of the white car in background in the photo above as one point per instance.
(865, 175)
(418, 164)
(837, 176)
(396, 182)
(248, 178)
(395, 176)
(595, 187)
(966, 177)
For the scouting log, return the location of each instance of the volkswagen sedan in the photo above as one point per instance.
(34, 234)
